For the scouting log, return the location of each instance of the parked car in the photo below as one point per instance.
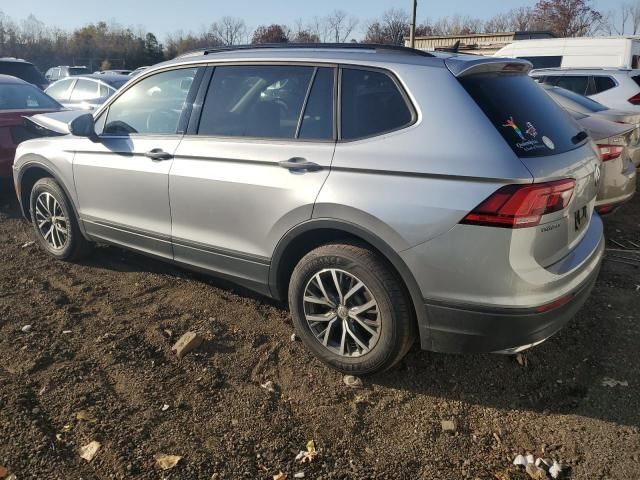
(618, 181)
(579, 52)
(138, 71)
(579, 103)
(22, 69)
(614, 88)
(114, 72)
(63, 71)
(378, 214)
(86, 92)
(18, 99)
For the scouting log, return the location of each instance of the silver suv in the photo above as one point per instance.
(387, 193)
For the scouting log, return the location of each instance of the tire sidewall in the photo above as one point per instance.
(51, 187)
(386, 345)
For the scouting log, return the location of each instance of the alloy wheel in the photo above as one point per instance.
(342, 313)
(51, 221)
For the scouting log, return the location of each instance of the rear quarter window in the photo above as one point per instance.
(602, 84)
(22, 70)
(527, 118)
(371, 104)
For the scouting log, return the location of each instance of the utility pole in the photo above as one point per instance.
(412, 27)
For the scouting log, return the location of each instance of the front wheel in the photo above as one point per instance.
(54, 222)
(350, 309)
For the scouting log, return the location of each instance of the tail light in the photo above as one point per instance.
(519, 206)
(610, 152)
(635, 100)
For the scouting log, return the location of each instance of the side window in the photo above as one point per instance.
(371, 104)
(152, 106)
(603, 83)
(575, 83)
(548, 61)
(635, 62)
(104, 91)
(60, 90)
(84, 90)
(255, 101)
(317, 122)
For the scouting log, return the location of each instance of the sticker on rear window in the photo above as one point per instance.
(529, 141)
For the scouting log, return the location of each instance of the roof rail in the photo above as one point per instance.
(310, 46)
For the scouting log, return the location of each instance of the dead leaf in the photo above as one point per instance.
(280, 476)
(89, 451)
(502, 476)
(166, 462)
(4, 472)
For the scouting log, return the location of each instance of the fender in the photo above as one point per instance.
(366, 235)
(36, 161)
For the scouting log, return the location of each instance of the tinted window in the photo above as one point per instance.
(371, 104)
(84, 90)
(526, 117)
(24, 97)
(317, 122)
(603, 83)
(544, 62)
(152, 106)
(23, 70)
(60, 90)
(255, 101)
(78, 71)
(585, 102)
(574, 83)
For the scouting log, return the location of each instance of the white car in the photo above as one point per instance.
(616, 88)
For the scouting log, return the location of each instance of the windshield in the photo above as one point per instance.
(527, 118)
(78, 71)
(25, 97)
(583, 101)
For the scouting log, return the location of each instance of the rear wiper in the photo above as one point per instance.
(580, 136)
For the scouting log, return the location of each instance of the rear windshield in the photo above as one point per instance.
(527, 118)
(25, 97)
(23, 70)
(78, 71)
(581, 100)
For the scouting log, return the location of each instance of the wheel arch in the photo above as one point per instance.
(311, 234)
(30, 172)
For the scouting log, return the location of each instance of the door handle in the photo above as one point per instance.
(158, 154)
(298, 164)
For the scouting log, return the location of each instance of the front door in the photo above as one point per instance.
(253, 168)
(122, 180)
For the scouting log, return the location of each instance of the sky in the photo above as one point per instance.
(163, 16)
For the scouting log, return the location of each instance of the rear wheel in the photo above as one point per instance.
(350, 309)
(54, 222)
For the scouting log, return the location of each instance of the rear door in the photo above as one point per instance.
(252, 166)
(122, 180)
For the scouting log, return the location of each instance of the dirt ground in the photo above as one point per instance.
(100, 344)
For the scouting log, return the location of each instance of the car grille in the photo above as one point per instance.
(20, 134)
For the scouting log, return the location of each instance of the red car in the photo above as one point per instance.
(18, 99)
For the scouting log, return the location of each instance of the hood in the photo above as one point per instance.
(600, 128)
(56, 122)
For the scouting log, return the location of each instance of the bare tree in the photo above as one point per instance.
(340, 25)
(229, 31)
(519, 19)
(390, 29)
(568, 18)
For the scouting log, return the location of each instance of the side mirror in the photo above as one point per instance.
(84, 126)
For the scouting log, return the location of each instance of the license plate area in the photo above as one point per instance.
(580, 218)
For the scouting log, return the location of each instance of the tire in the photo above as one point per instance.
(392, 327)
(47, 202)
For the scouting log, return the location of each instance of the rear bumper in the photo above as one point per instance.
(464, 329)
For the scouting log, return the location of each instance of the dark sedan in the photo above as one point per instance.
(18, 99)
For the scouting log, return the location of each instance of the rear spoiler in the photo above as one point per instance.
(51, 124)
(463, 66)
